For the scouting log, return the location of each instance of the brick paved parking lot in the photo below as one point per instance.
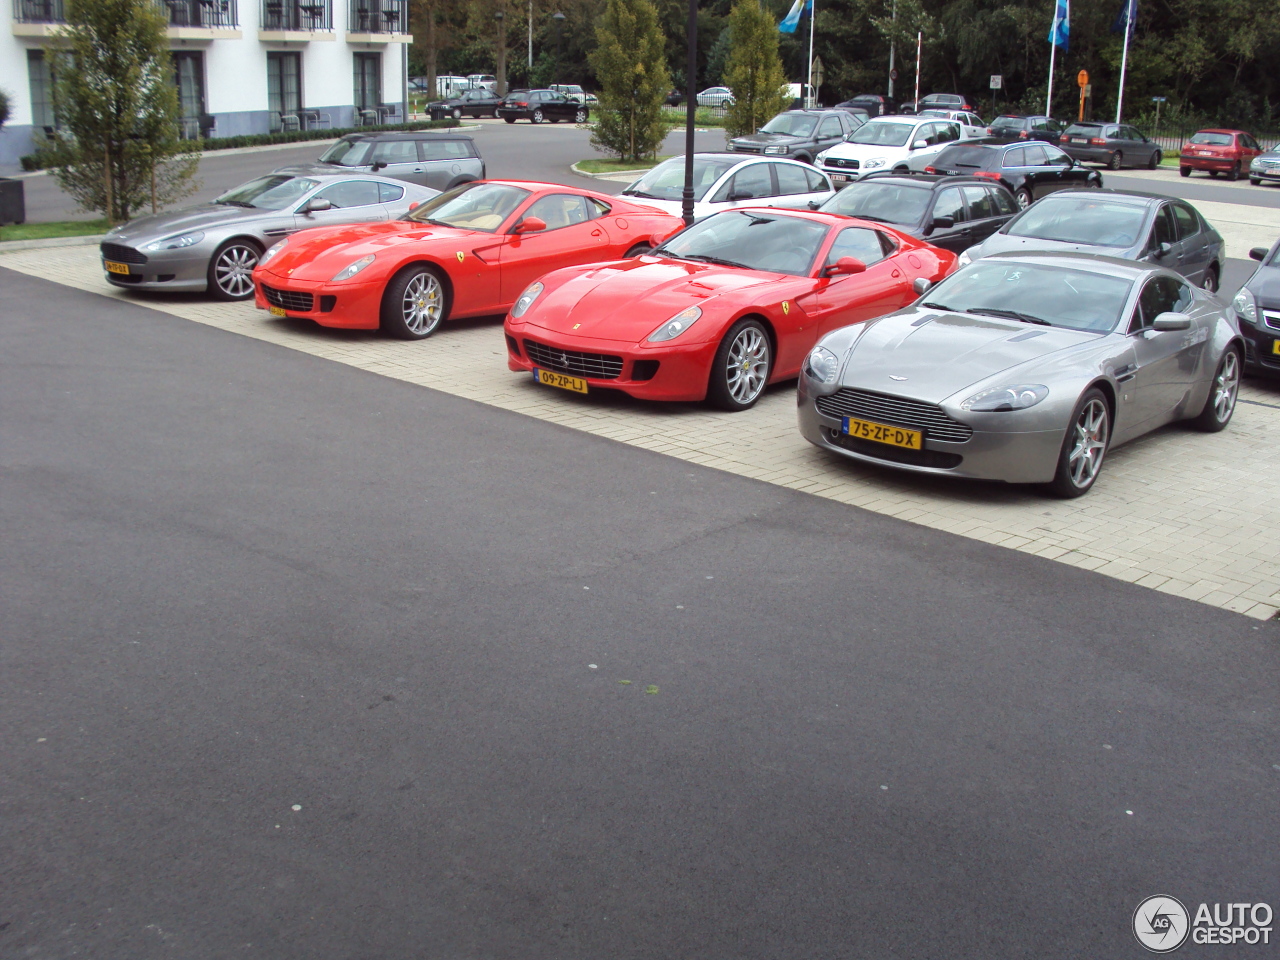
(1180, 512)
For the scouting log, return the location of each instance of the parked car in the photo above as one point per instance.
(1133, 226)
(1029, 170)
(716, 97)
(1009, 127)
(938, 101)
(798, 134)
(722, 181)
(1265, 166)
(1257, 308)
(874, 104)
(1115, 144)
(540, 106)
(574, 92)
(1218, 151)
(900, 144)
(1025, 368)
(213, 247)
(718, 311)
(675, 98)
(439, 160)
(475, 102)
(953, 213)
(468, 252)
(972, 126)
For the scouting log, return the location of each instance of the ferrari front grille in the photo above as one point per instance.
(597, 366)
(897, 411)
(289, 299)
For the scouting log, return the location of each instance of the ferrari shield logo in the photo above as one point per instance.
(786, 306)
(461, 256)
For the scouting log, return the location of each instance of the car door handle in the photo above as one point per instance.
(417, 169)
(1126, 372)
(597, 233)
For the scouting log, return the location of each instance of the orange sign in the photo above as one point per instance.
(1082, 78)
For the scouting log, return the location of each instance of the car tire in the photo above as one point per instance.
(415, 303)
(230, 274)
(1024, 198)
(509, 119)
(1211, 279)
(536, 116)
(640, 249)
(1256, 181)
(1154, 162)
(1223, 392)
(457, 113)
(1214, 174)
(1117, 158)
(803, 158)
(580, 116)
(1184, 171)
(1084, 448)
(1234, 172)
(741, 368)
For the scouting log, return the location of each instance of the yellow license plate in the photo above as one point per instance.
(116, 267)
(561, 380)
(276, 311)
(883, 433)
(1275, 346)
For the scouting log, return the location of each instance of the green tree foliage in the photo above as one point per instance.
(630, 65)
(4, 108)
(753, 69)
(117, 147)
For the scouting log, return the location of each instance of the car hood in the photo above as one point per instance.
(318, 169)
(930, 354)
(763, 138)
(860, 151)
(319, 253)
(627, 300)
(187, 220)
(1265, 285)
(1003, 243)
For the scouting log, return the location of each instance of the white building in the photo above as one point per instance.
(242, 66)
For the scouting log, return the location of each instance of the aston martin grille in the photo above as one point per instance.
(898, 411)
(119, 253)
(598, 366)
(288, 299)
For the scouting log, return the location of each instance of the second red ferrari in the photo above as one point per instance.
(467, 252)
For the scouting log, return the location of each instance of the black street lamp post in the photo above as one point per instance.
(558, 17)
(691, 107)
(501, 17)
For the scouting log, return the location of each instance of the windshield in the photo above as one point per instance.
(1059, 296)
(795, 124)
(878, 200)
(348, 153)
(472, 206)
(977, 157)
(1009, 123)
(883, 134)
(1084, 130)
(666, 180)
(755, 239)
(1104, 223)
(273, 192)
(1213, 139)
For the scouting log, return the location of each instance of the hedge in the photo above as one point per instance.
(40, 160)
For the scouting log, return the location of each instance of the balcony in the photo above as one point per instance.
(377, 21)
(188, 19)
(38, 18)
(296, 20)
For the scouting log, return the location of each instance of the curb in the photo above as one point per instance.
(13, 246)
(609, 176)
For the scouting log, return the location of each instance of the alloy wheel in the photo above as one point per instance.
(580, 116)
(747, 365)
(537, 116)
(1226, 387)
(1090, 433)
(1024, 199)
(233, 272)
(422, 304)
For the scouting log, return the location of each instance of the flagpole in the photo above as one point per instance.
(1124, 58)
(1048, 100)
(809, 99)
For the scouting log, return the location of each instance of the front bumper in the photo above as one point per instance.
(163, 271)
(1012, 457)
(345, 306)
(1265, 173)
(1262, 346)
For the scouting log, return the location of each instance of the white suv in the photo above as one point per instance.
(899, 144)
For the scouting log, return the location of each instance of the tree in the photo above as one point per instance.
(630, 64)
(118, 147)
(4, 108)
(753, 69)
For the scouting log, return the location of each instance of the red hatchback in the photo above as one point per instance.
(1218, 151)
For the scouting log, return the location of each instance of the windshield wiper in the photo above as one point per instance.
(864, 216)
(235, 203)
(640, 193)
(1009, 314)
(937, 306)
(706, 259)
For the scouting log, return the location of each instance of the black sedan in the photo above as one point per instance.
(1115, 144)
(798, 134)
(1009, 127)
(872, 104)
(953, 213)
(476, 102)
(1029, 170)
(1257, 307)
(540, 106)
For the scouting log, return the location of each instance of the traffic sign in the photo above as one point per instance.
(997, 81)
(1082, 78)
(893, 74)
(817, 71)
(1159, 99)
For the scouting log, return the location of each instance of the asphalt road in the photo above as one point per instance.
(297, 661)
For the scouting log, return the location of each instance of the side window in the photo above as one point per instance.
(558, 210)
(857, 242)
(395, 151)
(1035, 156)
(1251, 143)
(949, 204)
(596, 208)
(1163, 231)
(830, 128)
(816, 183)
(982, 205)
(1160, 295)
(446, 149)
(1017, 157)
(1187, 222)
(752, 182)
(1004, 202)
(926, 132)
(1055, 157)
(947, 132)
(791, 180)
(350, 193)
(389, 192)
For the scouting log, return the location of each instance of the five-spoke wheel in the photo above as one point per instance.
(741, 368)
(415, 303)
(231, 270)
(1221, 402)
(1084, 447)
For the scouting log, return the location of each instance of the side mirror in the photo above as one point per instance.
(739, 195)
(814, 205)
(415, 205)
(1171, 321)
(942, 223)
(1162, 251)
(1258, 253)
(316, 204)
(921, 285)
(659, 238)
(376, 166)
(843, 267)
(529, 225)
(919, 144)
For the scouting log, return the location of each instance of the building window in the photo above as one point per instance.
(188, 73)
(368, 81)
(284, 90)
(40, 76)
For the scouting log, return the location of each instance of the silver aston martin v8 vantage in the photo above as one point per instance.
(215, 246)
(1026, 368)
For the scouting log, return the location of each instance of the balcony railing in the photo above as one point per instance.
(38, 11)
(296, 15)
(376, 16)
(210, 14)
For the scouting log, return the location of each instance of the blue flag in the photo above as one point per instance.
(799, 9)
(1127, 17)
(1060, 32)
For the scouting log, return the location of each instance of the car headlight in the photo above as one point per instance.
(677, 325)
(526, 299)
(873, 164)
(271, 252)
(822, 365)
(1246, 305)
(964, 259)
(822, 155)
(1255, 163)
(174, 243)
(1019, 396)
(775, 151)
(351, 269)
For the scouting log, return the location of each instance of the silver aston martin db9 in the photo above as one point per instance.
(215, 246)
(1024, 367)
